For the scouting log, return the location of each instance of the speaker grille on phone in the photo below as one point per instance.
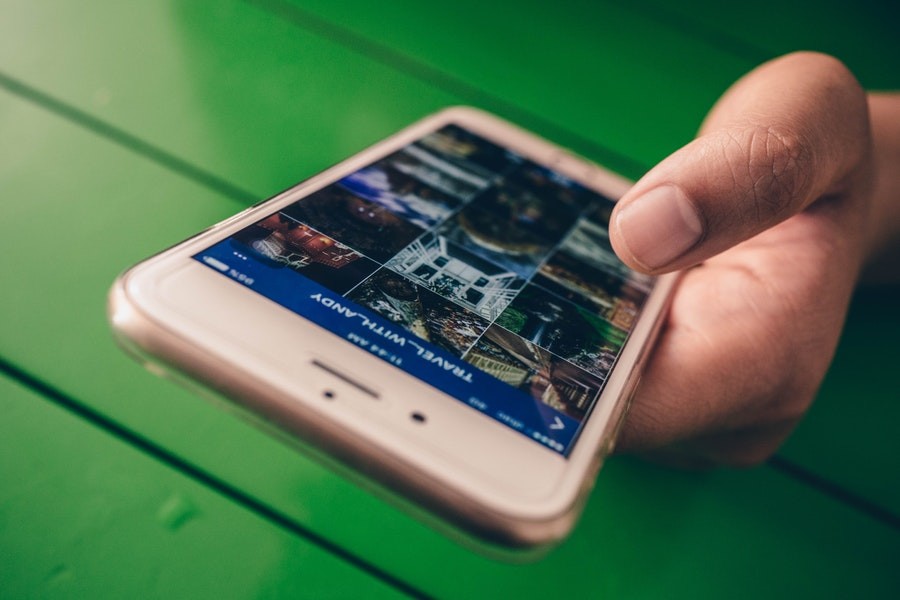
(349, 380)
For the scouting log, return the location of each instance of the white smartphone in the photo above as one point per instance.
(442, 315)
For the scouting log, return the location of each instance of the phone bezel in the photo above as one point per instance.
(164, 307)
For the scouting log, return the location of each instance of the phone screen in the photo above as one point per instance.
(472, 268)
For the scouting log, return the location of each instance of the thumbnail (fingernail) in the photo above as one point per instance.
(659, 226)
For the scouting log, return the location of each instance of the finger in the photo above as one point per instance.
(740, 448)
(788, 133)
(749, 336)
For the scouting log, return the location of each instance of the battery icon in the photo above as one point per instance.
(215, 264)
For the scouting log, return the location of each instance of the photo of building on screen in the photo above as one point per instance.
(455, 273)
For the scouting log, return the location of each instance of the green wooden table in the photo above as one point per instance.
(127, 126)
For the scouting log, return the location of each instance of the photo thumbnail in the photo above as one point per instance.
(457, 274)
(555, 324)
(604, 293)
(469, 151)
(422, 312)
(552, 186)
(529, 215)
(589, 242)
(618, 310)
(401, 194)
(280, 240)
(600, 211)
(365, 226)
(448, 176)
(482, 233)
(533, 370)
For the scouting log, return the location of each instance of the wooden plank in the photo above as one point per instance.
(256, 102)
(85, 515)
(222, 85)
(74, 227)
(862, 34)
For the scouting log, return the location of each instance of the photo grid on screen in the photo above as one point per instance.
(483, 253)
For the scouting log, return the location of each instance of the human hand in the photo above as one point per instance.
(770, 206)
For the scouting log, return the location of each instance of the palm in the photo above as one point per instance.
(749, 336)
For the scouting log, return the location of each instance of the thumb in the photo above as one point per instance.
(789, 132)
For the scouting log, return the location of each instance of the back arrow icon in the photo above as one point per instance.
(557, 423)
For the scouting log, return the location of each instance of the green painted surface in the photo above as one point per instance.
(262, 96)
(84, 515)
(592, 69)
(224, 85)
(699, 510)
(850, 435)
(863, 34)
(260, 100)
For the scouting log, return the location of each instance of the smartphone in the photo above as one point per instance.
(441, 315)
